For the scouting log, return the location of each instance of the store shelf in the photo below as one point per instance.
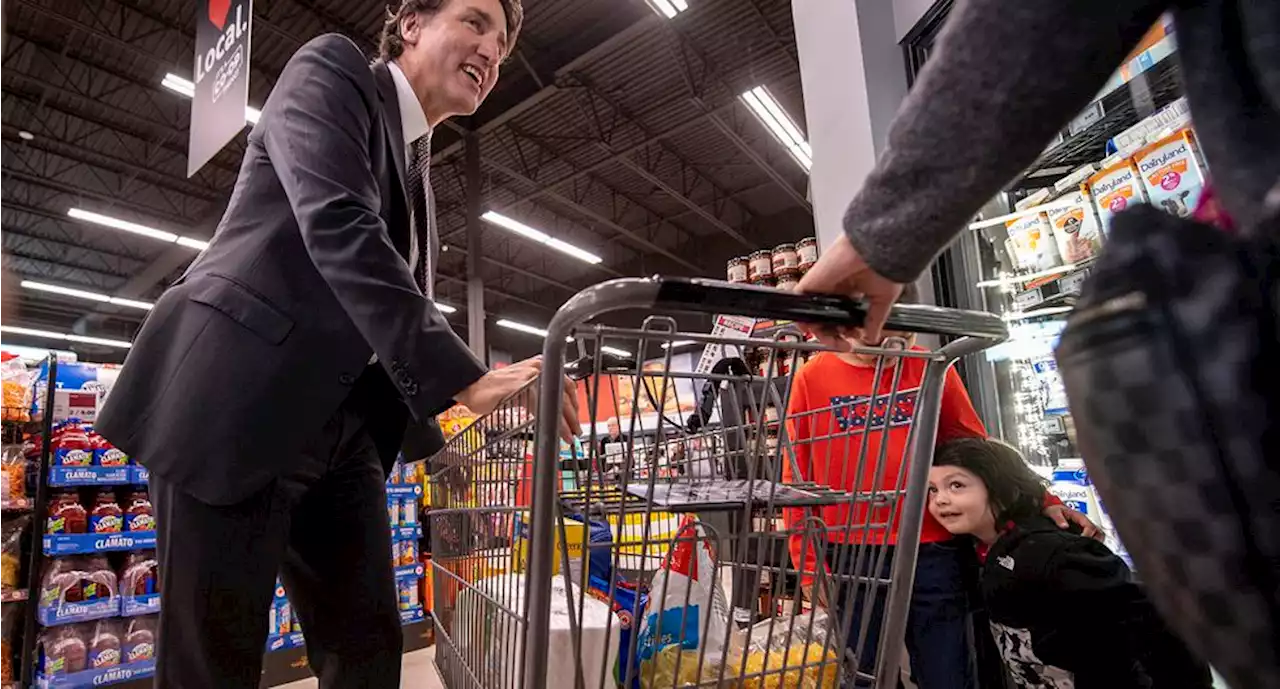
(13, 595)
(1118, 113)
(98, 677)
(70, 476)
(76, 544)
(404, 490)
(406, 533)
(71, 613)
(409, 571)
(132, 606)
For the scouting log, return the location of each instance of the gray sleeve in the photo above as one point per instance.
(1004, 77)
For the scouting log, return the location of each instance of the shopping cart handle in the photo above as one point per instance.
(715, 296)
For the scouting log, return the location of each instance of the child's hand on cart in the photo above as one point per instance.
(498, 385)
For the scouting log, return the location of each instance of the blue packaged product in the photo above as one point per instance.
(409, 512)
(284, 616)
(629, 601)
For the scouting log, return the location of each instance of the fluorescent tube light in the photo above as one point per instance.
(522, 327)
(616, 352)
(185, 87)
(136, 228)
(539, 236)
(779, 123)
(678, 344)
(669, 8)
(86, 294)
(49, 334)
(445, 308)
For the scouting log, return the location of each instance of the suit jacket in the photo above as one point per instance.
(273, 325)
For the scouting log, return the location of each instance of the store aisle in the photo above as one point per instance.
(419, 673)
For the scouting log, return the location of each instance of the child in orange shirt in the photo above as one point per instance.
(832, 415)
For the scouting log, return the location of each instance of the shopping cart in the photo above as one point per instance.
(666, 562)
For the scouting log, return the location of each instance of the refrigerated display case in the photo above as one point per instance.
(1027, 253)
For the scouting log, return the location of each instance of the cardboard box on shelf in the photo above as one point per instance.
(1114, 189)
(1172, 173)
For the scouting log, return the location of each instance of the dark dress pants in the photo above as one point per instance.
(324, 528)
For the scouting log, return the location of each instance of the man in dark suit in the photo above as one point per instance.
(271, 386)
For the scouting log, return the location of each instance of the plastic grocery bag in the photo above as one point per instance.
(687, 607)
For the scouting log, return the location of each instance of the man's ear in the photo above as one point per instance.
(410, 26)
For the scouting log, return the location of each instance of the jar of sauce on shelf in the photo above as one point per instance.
(66, 514)
(138, 513)
(761, 266)
(807, 253)
(737, 269)
(785, 258)
(789, 279)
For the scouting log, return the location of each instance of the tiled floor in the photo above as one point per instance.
(419, 672)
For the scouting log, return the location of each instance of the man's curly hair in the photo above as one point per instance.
(391, 44)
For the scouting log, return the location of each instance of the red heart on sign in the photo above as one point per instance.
(218, 10)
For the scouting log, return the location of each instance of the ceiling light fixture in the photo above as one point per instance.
(522, 327)
(678, 344)
(69, 337)
(669, 8)
(616, 352)
(185, 87)
(779, 123)
(127, 226)
(541, 237)
(86, 294)
(445, 308)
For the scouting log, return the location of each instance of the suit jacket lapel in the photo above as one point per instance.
(391, 122)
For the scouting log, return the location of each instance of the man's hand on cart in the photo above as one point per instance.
(484, 395)
(841, 270)
(1064, 517)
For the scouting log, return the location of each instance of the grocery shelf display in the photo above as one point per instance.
(1029, 251)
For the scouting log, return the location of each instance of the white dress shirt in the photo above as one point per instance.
(413, 120)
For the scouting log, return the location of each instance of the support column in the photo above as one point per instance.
(854, 79)
(475, 285)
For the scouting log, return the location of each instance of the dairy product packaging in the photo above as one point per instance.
(1172, 173)
(1072, 486)
(1032, 241)
(1076, 230)
(1114, 189)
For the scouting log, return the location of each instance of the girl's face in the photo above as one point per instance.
(958, 500)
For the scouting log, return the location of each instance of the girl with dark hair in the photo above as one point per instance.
(1045, 587)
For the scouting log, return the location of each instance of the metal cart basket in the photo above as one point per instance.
(676, 557)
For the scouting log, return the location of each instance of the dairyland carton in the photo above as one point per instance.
(1075, 227)
(1032, 242)
(1172, 173)
(1114, 189)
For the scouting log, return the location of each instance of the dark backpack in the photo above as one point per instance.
(1171, 362)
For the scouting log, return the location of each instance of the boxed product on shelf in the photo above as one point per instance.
(1172, 173)
(1075, 227)
(78, 589)
(1114, 189)
(1031, 240)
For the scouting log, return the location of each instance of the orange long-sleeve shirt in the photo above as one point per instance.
(827, 413)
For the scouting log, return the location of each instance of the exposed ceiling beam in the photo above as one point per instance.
(113, 201)
(81, 154)
(759, 160)
(516, 269)
(68, 244)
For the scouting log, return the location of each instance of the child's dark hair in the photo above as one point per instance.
(1015, 491)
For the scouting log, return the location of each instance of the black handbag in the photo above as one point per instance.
(1171, 363)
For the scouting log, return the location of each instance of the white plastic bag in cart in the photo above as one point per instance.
(486, 632)
(687, 606)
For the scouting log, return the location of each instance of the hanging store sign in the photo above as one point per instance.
(221, 77)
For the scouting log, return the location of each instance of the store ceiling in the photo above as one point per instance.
(612, 128)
